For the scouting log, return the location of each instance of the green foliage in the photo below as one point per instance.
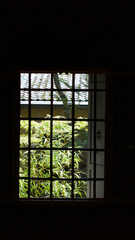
(40, 159)
(61, 159)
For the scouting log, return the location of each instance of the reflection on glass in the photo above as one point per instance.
(81, 81)
(62, 104)
(23, 163)
(24, 81)
(23, 188)
(40, 104)
(41, 80)
(40, 163)
(62, 81)
(99, 171)
(40, 133)
(100, 135)
(99, 163)
(39, 189)
(99, 189)
(62, 134)
(100, 107)
(62, 164)
(61, 189)
(24, 133)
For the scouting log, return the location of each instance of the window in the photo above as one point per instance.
(62, 135)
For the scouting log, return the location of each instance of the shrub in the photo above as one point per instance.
(61, 159)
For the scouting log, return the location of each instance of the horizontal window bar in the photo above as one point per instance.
(64, 119)
(63, 179)
(63, 89)
(75, 149)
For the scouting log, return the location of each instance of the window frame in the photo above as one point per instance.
(108, 150)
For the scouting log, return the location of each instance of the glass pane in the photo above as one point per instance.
(99, 171)
(24, 124)
(41, 80)
(62, 81)
(84, 105)
(100, 158)
(81, 81)
(99, 189)
(40, 163)
(24, 83)
(91, 81)
(83, 166)
(62, 104)
(40, 133)
(61, 189)
(100, 135)
(23, 163)
(100, 164)
(23, 188)
(62, 134)
(40, 104)
(24, 101)
(39, 189)
(83, 189)
(100, 105)
(101, 79)
(62, 164)
(40, 97)
(83, 134)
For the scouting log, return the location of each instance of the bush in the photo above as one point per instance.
(61, 159)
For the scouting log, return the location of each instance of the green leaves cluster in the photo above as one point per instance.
(61, 159)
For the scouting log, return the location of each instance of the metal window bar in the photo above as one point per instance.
(73, 119)
(63, 119)
(63, 89)
(63, 179)
(94, 185)
(89, 164)
(29, 134)
(51, 132)
(73, 112)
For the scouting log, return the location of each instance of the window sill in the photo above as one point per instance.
(61, 202)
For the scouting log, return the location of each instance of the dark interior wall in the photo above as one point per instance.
(39, 33)
(125, 141)
(67, 36)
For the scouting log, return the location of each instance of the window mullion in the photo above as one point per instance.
(73, 122)
(95, 99)
(51, 136)
(29, 134)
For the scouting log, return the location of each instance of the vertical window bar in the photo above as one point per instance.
(29, 134)
(95, 87)
(19, 136)
(73, 111)
(90, 124)
(51, 127)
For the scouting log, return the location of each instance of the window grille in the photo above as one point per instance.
(62, 135)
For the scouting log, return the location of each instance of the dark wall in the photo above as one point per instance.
(67, 35)
(84, 32)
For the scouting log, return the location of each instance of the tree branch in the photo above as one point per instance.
(62, 95)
